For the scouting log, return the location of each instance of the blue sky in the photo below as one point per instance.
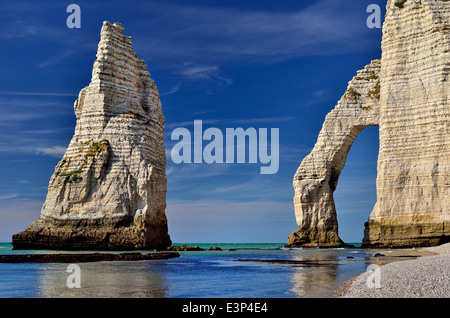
(261, 64)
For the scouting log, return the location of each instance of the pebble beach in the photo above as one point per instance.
(427, 276)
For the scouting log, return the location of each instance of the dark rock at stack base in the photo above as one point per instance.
(83, 258)
(44, 235)
(109, 190)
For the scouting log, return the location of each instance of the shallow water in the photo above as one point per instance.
(194, 274)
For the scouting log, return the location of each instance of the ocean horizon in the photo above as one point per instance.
(240, 270)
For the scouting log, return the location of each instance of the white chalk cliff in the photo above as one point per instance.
(407, 95)
(109, 190)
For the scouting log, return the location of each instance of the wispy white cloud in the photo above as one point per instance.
(214, 209)
(11, 117)
(204, 72)
(200, 113)
(200, 72)
(23, 181)
(273, 120)
(24, 148)
(25, 127)
(29, 144)
(174, 90)
(258, 120)
(55, 151)
(293, 154)
(30, 21)
(46, 131)
(230, 34)
(19, 107)
(320, 93)
(8, 196)
(21, 28)
(54, 59)
(191, 123)
(257, 187)
(18, 93)
(231, 181)
(181, 171)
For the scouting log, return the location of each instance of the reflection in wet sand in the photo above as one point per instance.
(315, 281)
(105, 279)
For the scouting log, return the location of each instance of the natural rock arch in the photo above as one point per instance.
(316, 179)
(407, 95)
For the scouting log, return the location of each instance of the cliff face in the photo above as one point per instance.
(109, 190)
(410, 102)
(413, 197)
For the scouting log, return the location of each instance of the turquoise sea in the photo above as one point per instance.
(200, 274)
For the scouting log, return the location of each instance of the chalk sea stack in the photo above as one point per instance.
(109, 190)
(407, 95)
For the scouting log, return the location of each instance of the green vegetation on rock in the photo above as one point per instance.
(375, 92)
(95, 148)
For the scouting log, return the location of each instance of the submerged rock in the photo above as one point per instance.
(109, 189)
(184, 248)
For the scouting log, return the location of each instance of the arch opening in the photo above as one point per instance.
(355, 194)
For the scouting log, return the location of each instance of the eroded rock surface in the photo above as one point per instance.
(316, 178)
(109, 190)
(413, 182)
(408, 97)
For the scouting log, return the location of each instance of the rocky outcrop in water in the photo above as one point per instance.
(84, 258)
(109, 190)
(407, 95)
